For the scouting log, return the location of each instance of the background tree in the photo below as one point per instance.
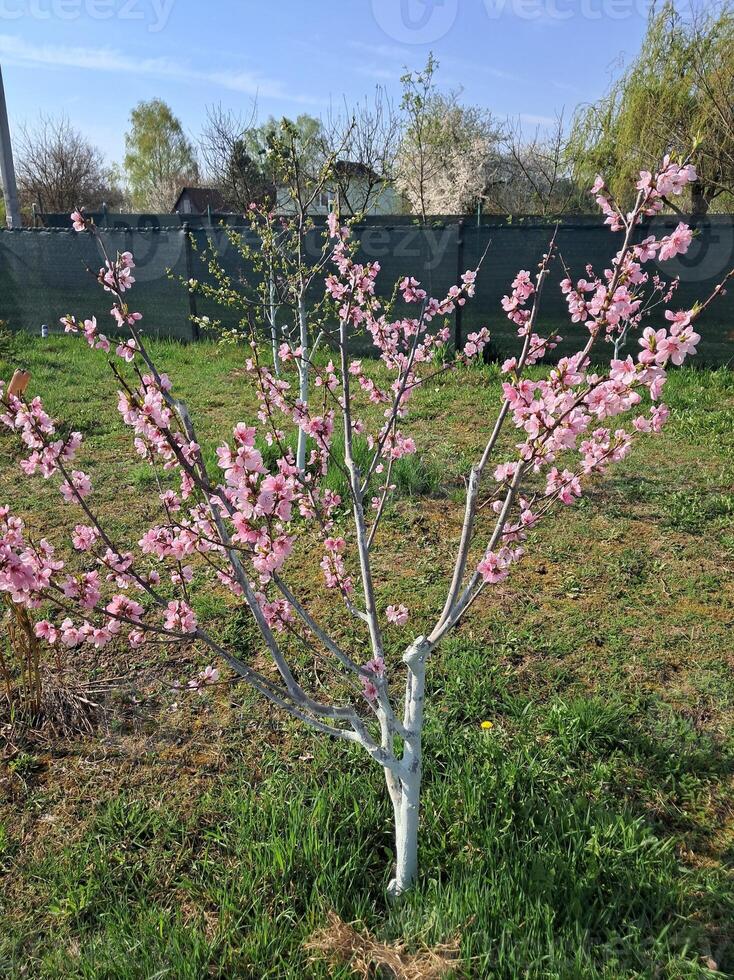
(284, 250)
(712, 71)
(234, 158)
(676, 94)
(367, 136)
(58, 169)
(159, 159)
(448, 154)
(295, 155)
(533, 175)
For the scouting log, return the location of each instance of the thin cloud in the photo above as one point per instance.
(381, 74)
(392, 51)
(504, 76)
(17, 52)
(533, 120)
(404, 57)
(565, 87)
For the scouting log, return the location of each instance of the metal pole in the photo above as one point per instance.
(7, 170)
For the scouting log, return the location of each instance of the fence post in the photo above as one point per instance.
(459, 271)
(190, 275)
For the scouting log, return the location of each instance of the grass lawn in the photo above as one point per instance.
(589, 833)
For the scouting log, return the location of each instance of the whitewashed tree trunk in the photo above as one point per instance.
(273, 315)
(407, 816)
(405, 791)
(303, 372)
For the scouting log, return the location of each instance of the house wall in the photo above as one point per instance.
(384, 201)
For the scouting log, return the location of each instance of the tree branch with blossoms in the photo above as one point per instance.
(244, 528)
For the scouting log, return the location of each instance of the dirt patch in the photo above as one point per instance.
(341, 944)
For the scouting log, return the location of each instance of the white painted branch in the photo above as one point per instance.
(303, 373)
(272, 315)
(477, 471)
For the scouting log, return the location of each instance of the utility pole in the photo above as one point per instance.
(7, 170)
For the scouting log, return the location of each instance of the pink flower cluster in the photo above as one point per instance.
(376, 667)
(515, 304)
(612, 304)
(333, 567)
(89, 329)
(476, 342)
(559, 416)
(671, 179)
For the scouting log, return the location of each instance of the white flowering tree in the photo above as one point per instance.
(569, 425)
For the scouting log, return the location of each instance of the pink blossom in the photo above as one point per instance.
(505, 471)
(180, 617)
(209, 675)
(493, 567)
(476, 342)
(376, 666)
(71, 636)
(46, 631)
(83, 537)
(122, 607)
(79, 486)
(598, 185)
(397, 615)
(566, 485)
(127, 350)
(676, 243)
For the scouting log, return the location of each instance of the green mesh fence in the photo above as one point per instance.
(44, 273)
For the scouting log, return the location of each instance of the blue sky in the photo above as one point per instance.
(94, 59)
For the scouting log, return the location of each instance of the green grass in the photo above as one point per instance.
(588, 834)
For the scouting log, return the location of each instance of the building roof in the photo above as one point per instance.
(350, 168)
(202, 198)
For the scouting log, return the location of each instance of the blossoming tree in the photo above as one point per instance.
(241, 527)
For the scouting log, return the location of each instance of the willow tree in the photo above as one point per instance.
(677, 93)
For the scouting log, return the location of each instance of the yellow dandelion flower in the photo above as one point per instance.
(486, 725)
